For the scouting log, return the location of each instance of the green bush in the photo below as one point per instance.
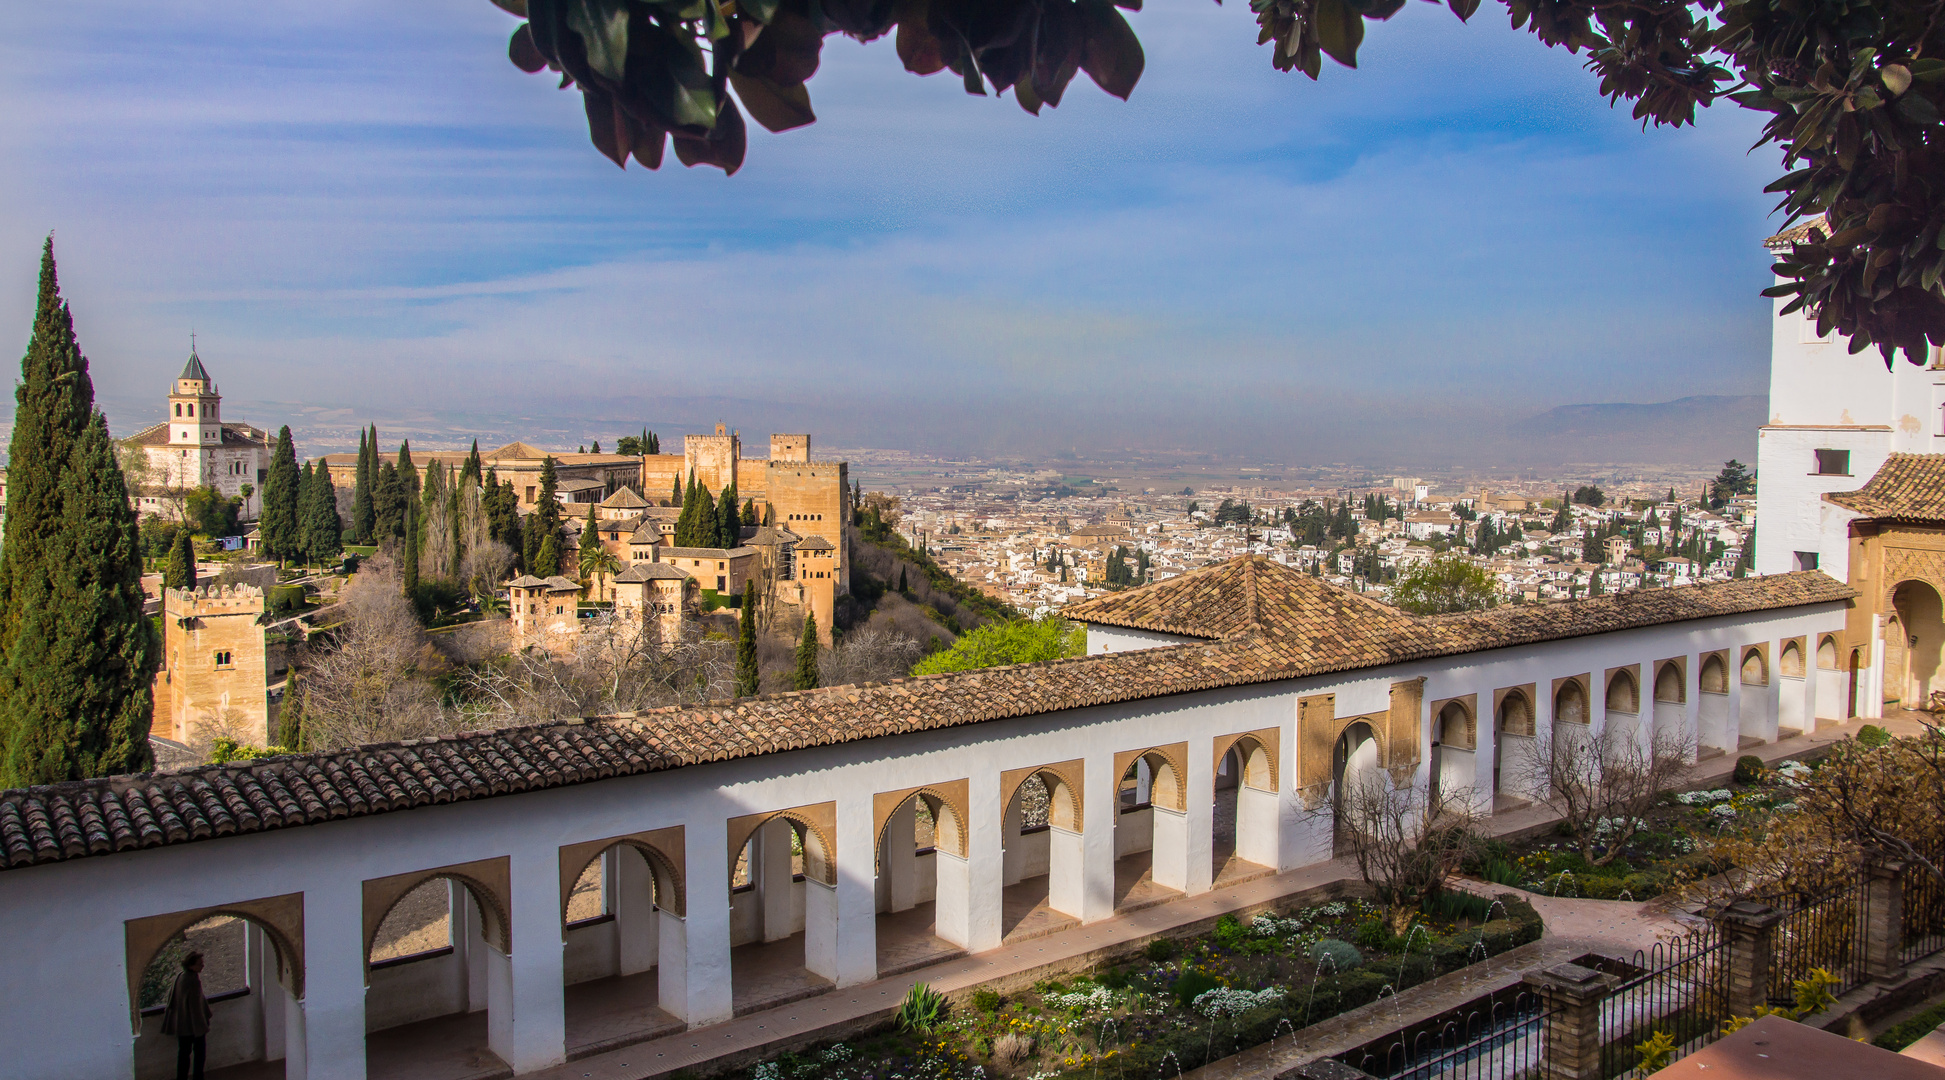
(1230, 932)
(1161, 950)
(1500, 872)
(1342, 956)
(1372, 934)
(1870, 736)
(1601, 887)
(1902, 1035)
(1113, 979)
(1455, 904)
(986, 1001)
(1192, 985)
(1749, 769)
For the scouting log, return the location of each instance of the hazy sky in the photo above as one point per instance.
(363, 203)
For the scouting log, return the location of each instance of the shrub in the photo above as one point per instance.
(921, 1010)
(1341, 956)
(1372, 934)
(1500, 872)
(1749, 769)
(1902, 1035)
(1013, 1049)
(1115, 979)
(1870, 736)
(1456, 904)
(1192, 985)
(1161, 950)
(1601, 888)
(986, 1001)
(1230, 932)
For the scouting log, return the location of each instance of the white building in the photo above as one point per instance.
(194, 448)
(1834, 417)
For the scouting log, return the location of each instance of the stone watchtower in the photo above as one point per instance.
(815, 564)
(215, 669)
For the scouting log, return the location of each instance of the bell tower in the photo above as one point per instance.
(195, 408)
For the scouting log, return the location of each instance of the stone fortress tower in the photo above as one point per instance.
(215, 667)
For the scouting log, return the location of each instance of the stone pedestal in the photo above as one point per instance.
(1884, 926)
(1573, 996)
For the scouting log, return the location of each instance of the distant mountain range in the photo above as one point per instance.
(1701, 431)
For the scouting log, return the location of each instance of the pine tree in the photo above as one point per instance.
(181, 571)
(361, 491)
(729, 525)
(410, 571)
(805, 677)
(278, 522)
(76, 653)
(748, 677)
(323, 532)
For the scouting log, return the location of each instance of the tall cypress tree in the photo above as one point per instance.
(388, 504)
(181, 571)
(708, 531)
(675, 494)
(76, 653)
(729, 526)
(471, 473)
(278, 523)
(323, 535)
(805, 677)
(748, 676)
(546, 517)
(361, 492)
(300, 526)
(410, 573)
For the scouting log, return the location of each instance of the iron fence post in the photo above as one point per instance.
(1884, 929)
(1751, 928)
(1573, 996)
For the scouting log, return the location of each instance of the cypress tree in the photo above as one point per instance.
(472, 470)
(529, 545)
(901, 577)
(729, 527)
(685, 521)
(410, 573)
(300, 511)
(805, 677)
(407, 471)
(708, 529)
(361, 493)
(547, 557)
(323, 535)
(675, 493)
(388, 505)
(546, 518)
(181, 571)
(748, 677)
(290, 718)
(278, 523)
(654, 441)
(76, 653)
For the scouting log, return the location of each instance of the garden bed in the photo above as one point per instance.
(1180, 1003)
(1668, 849)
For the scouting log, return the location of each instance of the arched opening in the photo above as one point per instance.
(1570, 704)
(1856, 670)
(1514, 750)
(612, 926)
(1454, 738)
(1354, 762)
(437, 971)
(1830, 703)
(1671, 711)
(1243, 836)
(1041, 863)
(1621, 710)
(1920, 611)
(1712, 708)
(782, 914)
(921, 883)
(1623, 696)
(1755, 717)
(249, 982)
(1150, 831)
(1792, 691)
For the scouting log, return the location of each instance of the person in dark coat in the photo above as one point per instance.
(187, 1018)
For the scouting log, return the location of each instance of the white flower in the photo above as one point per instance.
(1095, 997)
(1704, 798)
(1223, 1001)
(1724, 812)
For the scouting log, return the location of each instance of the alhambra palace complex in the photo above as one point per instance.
(1202, 736)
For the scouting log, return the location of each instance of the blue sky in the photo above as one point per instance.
(364, 205)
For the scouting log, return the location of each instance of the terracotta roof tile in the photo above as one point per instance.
(1270, 623)
(1907, 487)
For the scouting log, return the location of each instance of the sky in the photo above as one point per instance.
(365, 212)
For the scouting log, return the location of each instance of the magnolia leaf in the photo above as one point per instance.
(1023, 93)
(861, 19)
(1058, 43)
(603, 26)
(512, 7)
(1464, 9)
(1897, 78)
(521, 50)
(649, 146)
(778, 108)
(1918, 109)
(723, 147)
(918, 49)
(786, 52)
(1113, 56)
(605, 125)
(760, 10)
(1339, 30)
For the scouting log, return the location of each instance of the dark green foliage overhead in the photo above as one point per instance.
(1854, 90)
(748, 676)
(278, 522)
(805, 677)
(76, 652)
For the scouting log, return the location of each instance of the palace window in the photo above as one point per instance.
(560, 609)
(1833, 463)
(223, 658)
(178, 408)
(192, 410)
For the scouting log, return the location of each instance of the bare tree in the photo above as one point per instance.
(871, 653)
(440, 559)
(1406, 840)
(613, 664)
(373, 683)
(1602, 784)
(485, 565)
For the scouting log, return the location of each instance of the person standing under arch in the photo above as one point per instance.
(187, 1018)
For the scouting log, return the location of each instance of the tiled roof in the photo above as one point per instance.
(649, 571)
(1285, 636)
(1230, 598)
(1907, 487)
(556, 583)
(193, 369)
(1796, 234)
(707, 553)
(624, 499)
(233, 435)
(515, 449)
(815, 543)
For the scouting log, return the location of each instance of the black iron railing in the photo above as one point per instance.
(1826, 934)
(1502, 1037)
(1676, 993)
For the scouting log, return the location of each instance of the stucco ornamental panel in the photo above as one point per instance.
(280, 917)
